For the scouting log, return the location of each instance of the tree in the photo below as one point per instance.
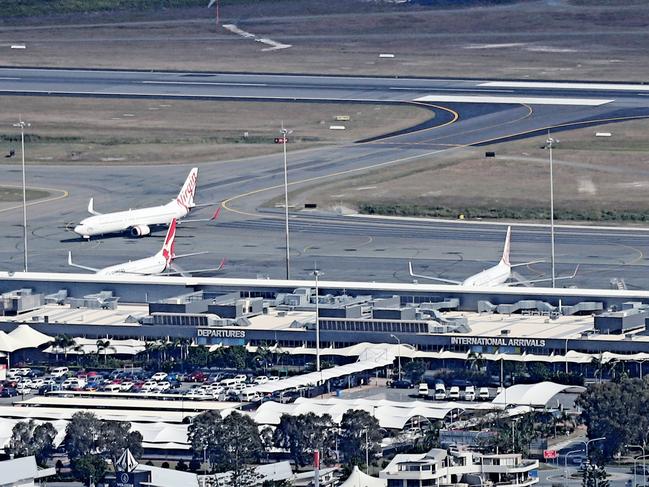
(104, 346)
(30, 439)
(63, 342)
(82, 435)
(204, 434)
(303, 434)
(89, 469)
(241, 446)
(116, 437)
(356, 427)
(594, 476)
(414, 370)
(616, 411)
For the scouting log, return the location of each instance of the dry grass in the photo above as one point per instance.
(567, 40)
(84, 130)
(590, 173)
(11, 194)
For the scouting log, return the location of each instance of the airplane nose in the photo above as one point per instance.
(79, 229)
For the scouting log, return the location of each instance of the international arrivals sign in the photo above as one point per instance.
(498, 342)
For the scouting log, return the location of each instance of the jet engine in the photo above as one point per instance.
(140, 230)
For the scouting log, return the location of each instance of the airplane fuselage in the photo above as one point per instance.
(123, 220)
(150, 265)
(494, 276)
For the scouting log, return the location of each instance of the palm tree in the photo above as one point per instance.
(63, 342)
(103, 346)
(476, 360)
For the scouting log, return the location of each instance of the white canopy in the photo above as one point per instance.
(9, 343)
(85, 346)
(533, 394)
(360, 479)
(30, 338)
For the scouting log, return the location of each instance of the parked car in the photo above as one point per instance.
(248, 395)
(8, 392)
(24, 388)
(59, 371)
(262, 379)
(422, 390)
(402, 384)
(440, 392)
(454, 393)
(158, 376)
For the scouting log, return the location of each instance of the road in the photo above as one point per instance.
(343, 247)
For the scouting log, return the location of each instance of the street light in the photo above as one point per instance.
(565, 462)
(588, 442)
(22, 126)
(317, 274)
(398, 353)
(285, 133)
(550, 141)
(644, 475)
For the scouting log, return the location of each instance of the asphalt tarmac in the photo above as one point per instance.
(343, 247)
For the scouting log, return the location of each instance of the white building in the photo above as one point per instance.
(460, 469)
(22, 472)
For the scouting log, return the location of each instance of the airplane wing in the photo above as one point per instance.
(446, 281)
(188, 273)
(190, 255)
(525, 282)
(527, 263)
(195, 220)
(93, 269)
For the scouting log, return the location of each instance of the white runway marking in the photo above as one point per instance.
(452, 89)
(527, 100)
(208, 83)
(9, 78)
(567, 86)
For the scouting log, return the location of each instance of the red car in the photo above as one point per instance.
(198, 376)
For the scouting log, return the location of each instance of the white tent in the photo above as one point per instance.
(533, 394)
(360, 479)
(9, 343)
(30, 338)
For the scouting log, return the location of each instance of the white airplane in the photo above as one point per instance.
(139, 222)
(157, 264)
(498, 275)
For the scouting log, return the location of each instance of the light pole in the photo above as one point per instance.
(285, 133)
(367, 454)
(398, 353)
(565, 462)
(644, 475)
(22, 126)
(317, 274)
(588, 442)
(550, 142)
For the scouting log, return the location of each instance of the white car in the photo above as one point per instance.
(440, 392)
(248, 395)
(23, 388)
(262, 379)
(148, 386)
(454, 393)
(13, 373)
(25, 371)
(162, 386)
(158, 376)
(423, 390)
(483, 393)
(38, 382)
(59, 371)
(273, 378)
(198, 393)
(72, 383)
(112, 387)
(242, 378)
(126, 386)
(216, 389)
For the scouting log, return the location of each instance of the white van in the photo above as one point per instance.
(454, 393)
(469, 393)
(483, 393)
(248, 395)
(229, 383)
(241, 378)
(112, 387)
(423, 390)
(59, 371)
(440, 392)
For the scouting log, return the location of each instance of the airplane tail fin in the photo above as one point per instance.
(91, 207)
(168, 248)
(186, 196)
(505, 257)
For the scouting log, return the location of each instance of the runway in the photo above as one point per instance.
(343, 247)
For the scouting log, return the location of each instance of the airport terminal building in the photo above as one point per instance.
(562, 326)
